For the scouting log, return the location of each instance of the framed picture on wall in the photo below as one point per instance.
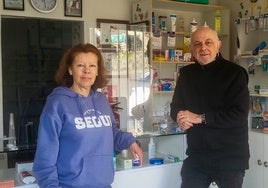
(112, 42)
(112, 30)
(140, 11)
(73, 8)
(13, 4)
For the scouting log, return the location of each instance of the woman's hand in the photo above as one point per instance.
(136, 151)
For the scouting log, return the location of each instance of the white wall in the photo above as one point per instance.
(92, 9)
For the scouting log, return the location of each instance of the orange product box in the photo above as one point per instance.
(7, 184)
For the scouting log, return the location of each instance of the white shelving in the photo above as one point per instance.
(258, 140)
(201, 13)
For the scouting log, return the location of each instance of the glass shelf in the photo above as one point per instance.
(257, 95)
(163, 92)
(173, 62)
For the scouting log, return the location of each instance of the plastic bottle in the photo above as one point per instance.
(261, 46)
(156, 83)
(181, 24)
(151, 149)
(153, 22)
(166, 121)
(164, 125)
(114, 160)
(265, 22)
(173, 18)
(217, 22)
(205, 24)
(252, 23)
(193, 26)
(12, 130)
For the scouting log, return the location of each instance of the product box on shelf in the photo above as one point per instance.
(194, 1)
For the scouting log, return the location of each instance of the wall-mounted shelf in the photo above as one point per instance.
(163, 92)
(257, 95)
(172, 5)
(173, 62)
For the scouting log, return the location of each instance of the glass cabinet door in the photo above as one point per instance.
(125, 55)
(139, 73)
(31, 51)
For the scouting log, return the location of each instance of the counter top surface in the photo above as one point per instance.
(259, 131)
(11, 174)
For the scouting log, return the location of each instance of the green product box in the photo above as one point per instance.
(123, 163)
(194, 1)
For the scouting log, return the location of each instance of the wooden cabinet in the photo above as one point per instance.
(257, 174)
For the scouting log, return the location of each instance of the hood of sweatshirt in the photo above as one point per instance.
(93, 104)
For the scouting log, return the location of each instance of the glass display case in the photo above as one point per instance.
(31, 50)
(125, 55)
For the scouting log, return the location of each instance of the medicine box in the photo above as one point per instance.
(263, 91)
(123, 163)
(178, 55)
(24, 166)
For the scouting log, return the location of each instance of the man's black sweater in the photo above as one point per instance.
(220, 91)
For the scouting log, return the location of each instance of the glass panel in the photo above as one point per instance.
(139, 79)
(125, 56)
(31, 50)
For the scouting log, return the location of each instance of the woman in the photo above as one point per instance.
(77, 133)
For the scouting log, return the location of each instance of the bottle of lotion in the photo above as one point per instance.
(151, 149)
(173, 22)
(193, 26)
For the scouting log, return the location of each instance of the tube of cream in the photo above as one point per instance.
(173, 18)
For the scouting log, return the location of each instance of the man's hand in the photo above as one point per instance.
(187, 119)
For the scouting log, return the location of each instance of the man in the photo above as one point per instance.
(211, 103)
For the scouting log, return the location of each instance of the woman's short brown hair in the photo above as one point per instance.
(62, 76)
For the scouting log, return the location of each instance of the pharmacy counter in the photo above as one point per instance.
(147, 176)
(155, 176)
(150, 176)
